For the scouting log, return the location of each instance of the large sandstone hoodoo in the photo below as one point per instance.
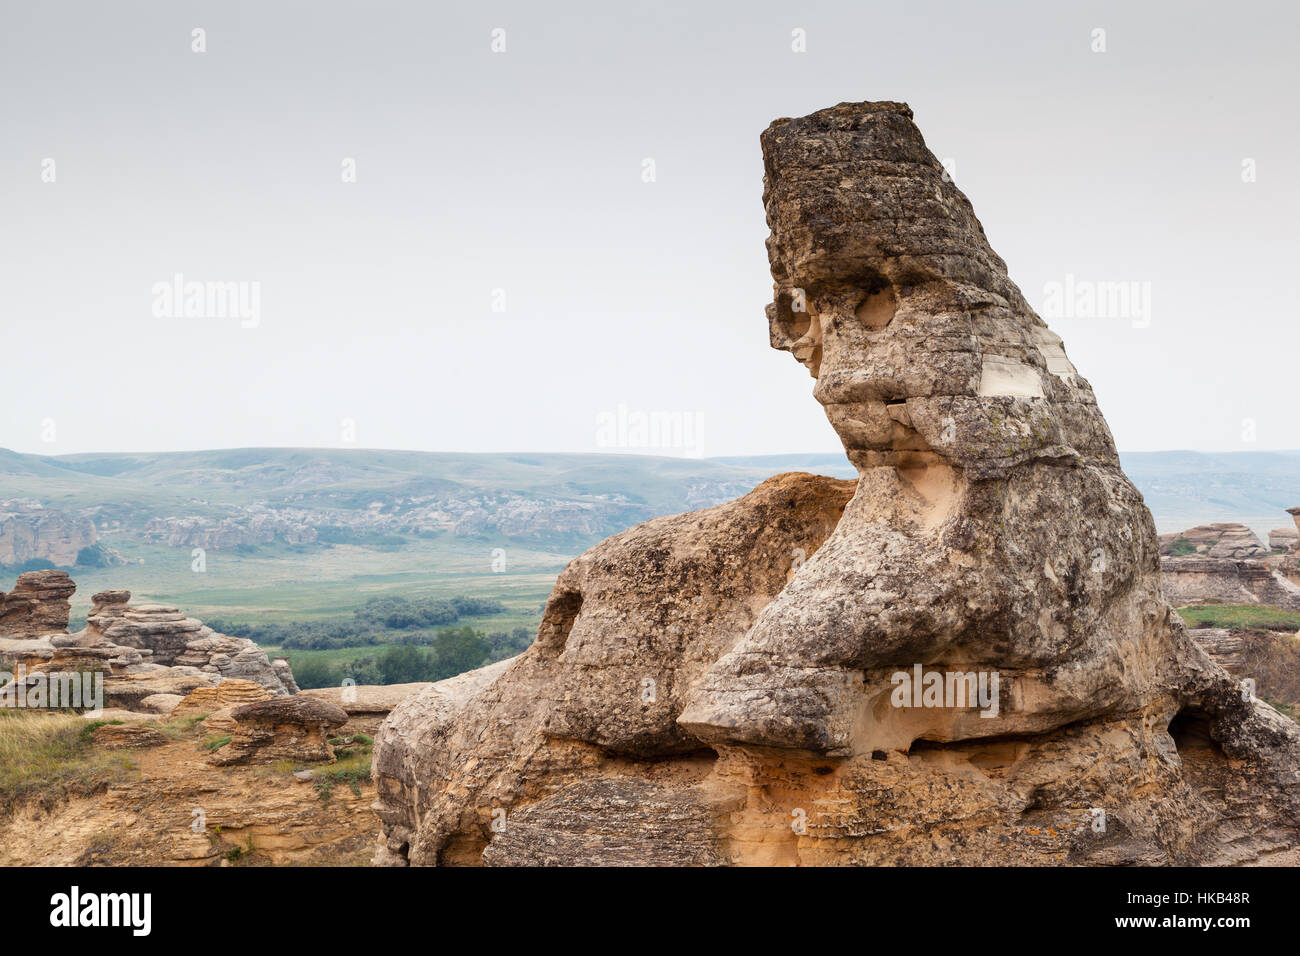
(37, 605)
(965, 658)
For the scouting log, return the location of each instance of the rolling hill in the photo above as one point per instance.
(294, 533)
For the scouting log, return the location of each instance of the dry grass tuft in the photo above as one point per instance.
(48, 755)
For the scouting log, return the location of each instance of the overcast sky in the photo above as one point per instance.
(517, 179)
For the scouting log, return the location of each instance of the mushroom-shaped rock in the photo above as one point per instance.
(1283, 539)
(284, 728)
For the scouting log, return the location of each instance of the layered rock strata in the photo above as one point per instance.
(173, 639)
(148, 654)
(1225, 539)
(37, 605)
(28, 530)
(1197, 579)
(1283, 539)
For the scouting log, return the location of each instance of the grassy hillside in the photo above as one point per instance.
(364, 523)
(364, 509)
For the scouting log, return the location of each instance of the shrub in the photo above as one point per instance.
(458, 650)
(311, 673)
(404, 664)
(92, 557)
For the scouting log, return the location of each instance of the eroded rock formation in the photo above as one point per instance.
(282, 728)
(1199, 579)
(175, 640)
(1289, 565)
(37, 605)
(217, 703)
(1224, 539)
(963, 658)
(366, 705)
(1283, 539)
(28, 530)
(148, 654)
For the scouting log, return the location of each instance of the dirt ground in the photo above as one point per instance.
(181, 811)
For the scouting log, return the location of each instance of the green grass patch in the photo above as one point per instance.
(176, 728)
(88, 731)
(215, 743)
(352, 770)
(1241, 616)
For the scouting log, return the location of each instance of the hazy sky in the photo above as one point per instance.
(524, 171)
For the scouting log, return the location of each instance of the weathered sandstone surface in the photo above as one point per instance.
(216, 704)
(366, 705)
(726, 686)
(37, 605)
(1198, 579)
(1289, 565)
(1283, 539)
(174, 640)
(174, 808)
(1225, 539)
(128, 736)
(282, 728)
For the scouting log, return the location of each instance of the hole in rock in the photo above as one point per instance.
(557, 620)
(823, 771)
(992, 756)
(1190, 729)
(798, 332)
(877, 310)
(794, 324)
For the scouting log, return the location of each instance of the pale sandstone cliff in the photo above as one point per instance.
(29, 531)
(1196, 579)
(1225, 563)
(718, 687)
